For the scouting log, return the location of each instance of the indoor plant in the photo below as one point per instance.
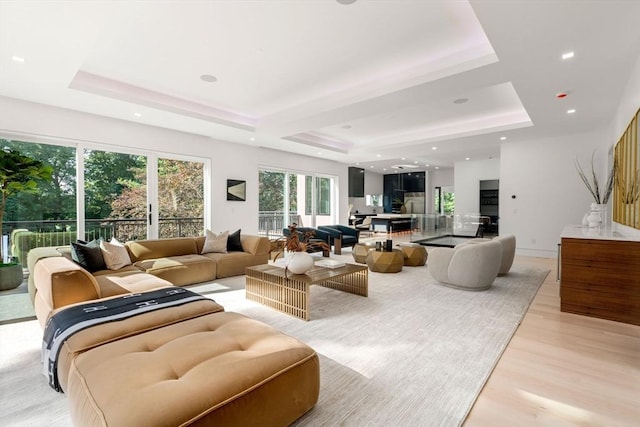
(592, 184)
(600, 200)
(18, 174)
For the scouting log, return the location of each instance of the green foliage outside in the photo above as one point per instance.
(449, 202)
(115, 186)
(271, 190)
(19, 174)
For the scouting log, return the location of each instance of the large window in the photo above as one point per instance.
(52, 207)
(124, 195)
(288, 197)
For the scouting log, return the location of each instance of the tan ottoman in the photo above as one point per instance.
(360, 251)
(415, 255)
(385, 261)
(221, 369)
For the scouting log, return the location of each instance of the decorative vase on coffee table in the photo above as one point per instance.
(298, 262)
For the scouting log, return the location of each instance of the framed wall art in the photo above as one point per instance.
(236, 190)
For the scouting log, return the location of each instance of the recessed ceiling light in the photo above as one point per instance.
(208, 78)
(378, 155)
(460, 100)
(427, 165)
(252, 139)
(467, 158)
(319, 153)
(371, 166)
(137, 114)
(384, 169)
(571, 111)
(567, 55)
(17, 58)
(415, 161)
(437, 167)
(404, 158)
(502, 138)
(434, 148)
(357, 164)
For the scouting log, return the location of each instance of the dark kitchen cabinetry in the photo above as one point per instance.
(356, 182)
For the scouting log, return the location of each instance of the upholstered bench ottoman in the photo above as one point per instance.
(220, 369)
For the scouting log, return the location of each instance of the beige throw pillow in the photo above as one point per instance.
(215, 243)
(115, 254)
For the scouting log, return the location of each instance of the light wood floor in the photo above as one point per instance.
(563, 369)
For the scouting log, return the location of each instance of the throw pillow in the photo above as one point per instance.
(215, 243)
(233, 243)
(88, 255)
(115, 254)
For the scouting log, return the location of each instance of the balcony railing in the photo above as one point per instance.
(271, 223)
(63, 232)
(121, 229)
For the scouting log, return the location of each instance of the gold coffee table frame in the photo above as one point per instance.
(267, 285)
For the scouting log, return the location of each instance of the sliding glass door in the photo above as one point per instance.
(96, 192)
(287, 197)
(180, 198)
(115, 195)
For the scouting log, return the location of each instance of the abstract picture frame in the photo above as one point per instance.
(236, 190)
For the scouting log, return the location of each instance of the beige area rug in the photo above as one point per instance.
(414, 353)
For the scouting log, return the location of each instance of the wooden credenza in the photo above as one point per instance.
(600, 275)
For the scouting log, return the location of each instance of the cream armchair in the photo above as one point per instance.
(508, 250)
(470, 267)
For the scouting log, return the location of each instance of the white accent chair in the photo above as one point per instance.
(471, 267)
(508, 250)
(365, 225)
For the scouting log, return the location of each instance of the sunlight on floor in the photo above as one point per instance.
(571, 414)
(367, 360)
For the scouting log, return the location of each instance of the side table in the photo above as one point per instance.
(385, 261)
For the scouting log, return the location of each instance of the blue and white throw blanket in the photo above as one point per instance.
(67, 322)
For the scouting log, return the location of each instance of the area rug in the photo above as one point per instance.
(412, 353)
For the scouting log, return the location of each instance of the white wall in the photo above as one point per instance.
(436, 178)
(39, 123)
(373, 184)
(467, 177)
(549, 193)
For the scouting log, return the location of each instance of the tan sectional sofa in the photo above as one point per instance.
(191, 364)
(177, 260)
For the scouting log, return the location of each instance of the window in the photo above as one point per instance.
(120, 192)
(288, 197)
(52, 207)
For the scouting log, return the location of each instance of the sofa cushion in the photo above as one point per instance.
(180, 270)
(216, 243)
(161, 248)
(234, 242)
(115, 254)
(221, 369)
(129, 282)
(98, 335)
(88, 255)
(234, 263)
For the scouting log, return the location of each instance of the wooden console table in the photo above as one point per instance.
(600, 274)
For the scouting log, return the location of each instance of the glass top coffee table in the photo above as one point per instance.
(268, 285)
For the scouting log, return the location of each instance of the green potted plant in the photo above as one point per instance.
(18, 174)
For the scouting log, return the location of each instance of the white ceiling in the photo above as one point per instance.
(373, 82)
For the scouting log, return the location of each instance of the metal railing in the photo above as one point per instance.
(62, 231)
(271, 223)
